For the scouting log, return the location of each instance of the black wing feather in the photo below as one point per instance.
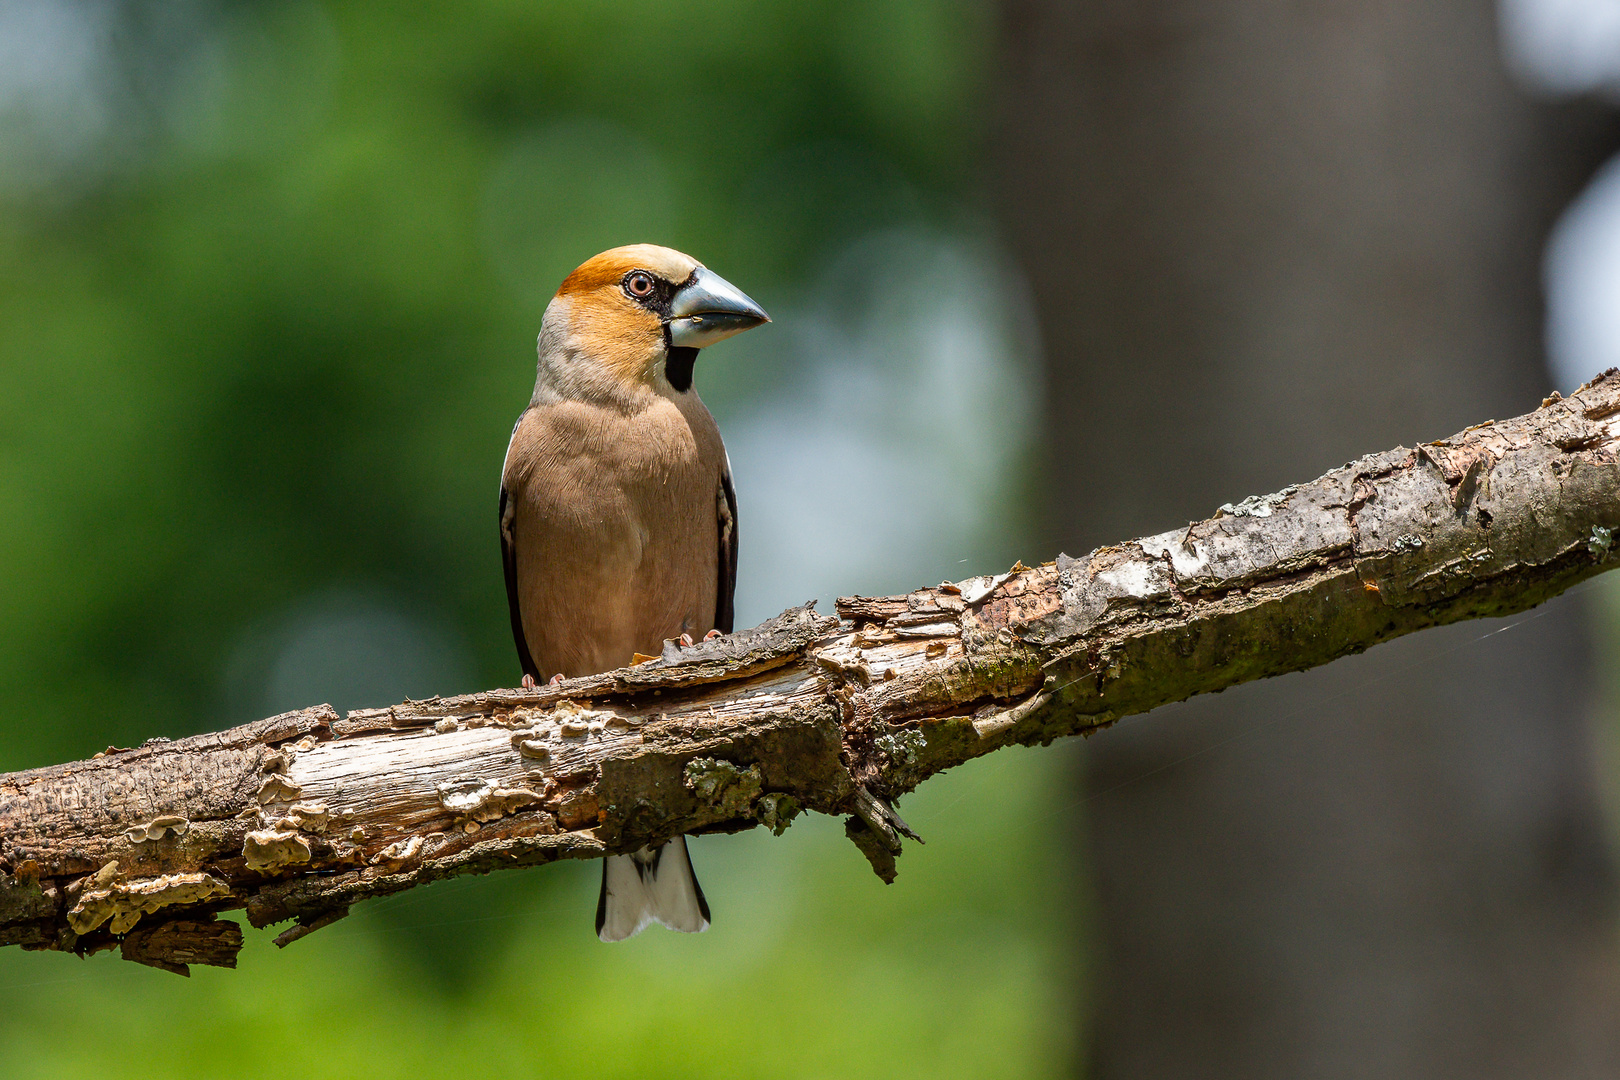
(726, 507)
(509, 561)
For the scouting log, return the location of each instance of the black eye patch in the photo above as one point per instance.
(657, 299)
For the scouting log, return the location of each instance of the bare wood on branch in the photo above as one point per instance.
(298, 817)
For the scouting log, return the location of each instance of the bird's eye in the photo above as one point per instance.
(639, 285)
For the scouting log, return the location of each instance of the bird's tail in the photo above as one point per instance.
(650, 887)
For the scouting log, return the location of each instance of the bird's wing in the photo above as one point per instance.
(726, 508)
(509, 561)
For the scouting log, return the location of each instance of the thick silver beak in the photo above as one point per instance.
(709, 309)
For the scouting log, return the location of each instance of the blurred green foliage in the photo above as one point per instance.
(267, 342)
(285, 348)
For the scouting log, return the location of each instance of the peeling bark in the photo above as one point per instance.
(300, 816)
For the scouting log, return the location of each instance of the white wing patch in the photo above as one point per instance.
(508, 455)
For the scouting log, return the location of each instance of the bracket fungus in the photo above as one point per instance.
(159, 827)
(268, 849)
(123, 904)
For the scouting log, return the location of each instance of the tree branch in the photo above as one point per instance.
(299, 816)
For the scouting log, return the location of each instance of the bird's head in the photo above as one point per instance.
(638, 314)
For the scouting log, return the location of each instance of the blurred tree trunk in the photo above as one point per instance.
(1308, 229)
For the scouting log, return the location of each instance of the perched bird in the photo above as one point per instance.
(618, 518)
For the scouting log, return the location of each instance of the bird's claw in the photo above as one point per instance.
(556, 679)
(528, 682)
(712, 634)
(686, 641)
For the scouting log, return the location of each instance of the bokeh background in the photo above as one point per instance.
(1043, 276)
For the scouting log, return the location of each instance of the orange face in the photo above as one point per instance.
(640, 314)
(618, 305)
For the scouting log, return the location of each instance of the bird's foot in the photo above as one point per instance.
(528, 682)
(712, 634)
(555, 679)
(686, 641)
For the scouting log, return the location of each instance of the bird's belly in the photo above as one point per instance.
(642, 567)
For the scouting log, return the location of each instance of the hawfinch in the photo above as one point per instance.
(618, 518)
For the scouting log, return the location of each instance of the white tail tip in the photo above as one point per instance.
(650, 887)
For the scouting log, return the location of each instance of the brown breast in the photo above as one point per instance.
(615, 529)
